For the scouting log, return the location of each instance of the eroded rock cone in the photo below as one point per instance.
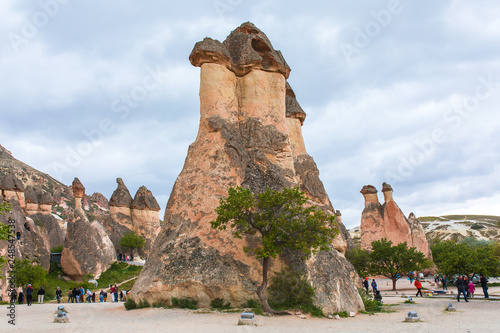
(247, 137)
(388, 221)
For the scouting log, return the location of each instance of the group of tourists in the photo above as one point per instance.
(121, 257)
(466, 287)
(19, 297)
(463, 283)
(75, 295)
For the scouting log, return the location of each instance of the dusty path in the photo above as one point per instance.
(475, 316)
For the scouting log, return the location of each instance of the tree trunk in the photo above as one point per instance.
(394, 279)
(261, 291)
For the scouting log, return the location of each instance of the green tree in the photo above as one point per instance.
(28, 272)
(393, 260)
(466, 257)
(280, 220)
(4, 231)
(132, 241)
(360, 259)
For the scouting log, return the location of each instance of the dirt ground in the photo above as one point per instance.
(478, 315)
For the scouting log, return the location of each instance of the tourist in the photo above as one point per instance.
(466, 284)
(418, 285)
(70, 296)
(105, 296)
(41, 294)
(444, 280)
(20, 297)
(29, 295)
(436, 280)
(89, 296)
(365, 284)
(93, 297)
(472, 289)
(115, 293)
(82, 294)
(13, 296)
(410, 277)
(374, 287)
(76, 294)
(461, 287)
(111, 292)
(101, 296)
(121, 295)
(484, 285)
(58, 294)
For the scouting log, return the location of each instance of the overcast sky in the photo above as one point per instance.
(406, 92)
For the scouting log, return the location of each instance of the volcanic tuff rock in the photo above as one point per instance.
(388, 221)
(249, 135)
(140, 215)
(87, 248)
(33, 243)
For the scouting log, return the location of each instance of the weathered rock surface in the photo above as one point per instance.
(140, 215)
(388, 221)
(246, 137)
(87, 248)
(33, 243)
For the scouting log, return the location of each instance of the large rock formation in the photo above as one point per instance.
(250, 136)
(388, 221)
(87, 248)
(140, 215)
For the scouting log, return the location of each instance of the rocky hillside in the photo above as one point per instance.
(454, 227)
(95, 205)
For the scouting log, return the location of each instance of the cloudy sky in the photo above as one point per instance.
(406, 92)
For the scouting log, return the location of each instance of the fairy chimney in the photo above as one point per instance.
(78, 192)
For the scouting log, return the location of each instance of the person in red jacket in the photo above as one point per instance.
(418, 284)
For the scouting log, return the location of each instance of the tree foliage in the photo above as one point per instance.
(466, 257)
(393, 260)
(360, 259)
(280, 220)
(131, 241)
(28, 272)
(4, 232)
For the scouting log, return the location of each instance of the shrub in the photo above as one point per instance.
(143, 303)
(476, 226)
(371, 304)
(160, 304)
(254, 305)
(57, 249)
(342, 314)
(184, 303)
(289, 289)
(130, 304)
(218, 303)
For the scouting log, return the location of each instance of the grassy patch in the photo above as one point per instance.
(342, 314)
(219, 303)
(254, 305)
(119, 271)
(184, 303)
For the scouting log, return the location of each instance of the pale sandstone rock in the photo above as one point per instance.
(78, 192)
(247, 137)
(388, 221)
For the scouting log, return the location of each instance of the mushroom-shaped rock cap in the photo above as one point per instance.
(145, 200)
(30, 195)
(46, 199)
(293, 109)
(121, 196)
(78, 188)
(10, 182)
(251, 49)
(368, 189)
(210, 51)
(386, 187)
